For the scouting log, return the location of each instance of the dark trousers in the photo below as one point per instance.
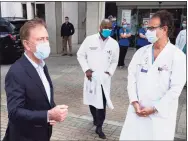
(122, 54)
(99, 114)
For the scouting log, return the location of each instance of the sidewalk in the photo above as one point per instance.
(76, 128)
(67, 78)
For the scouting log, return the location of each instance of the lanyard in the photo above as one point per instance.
(153, 55)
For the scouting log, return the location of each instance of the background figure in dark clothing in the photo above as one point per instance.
(124, 44)
(142, 40)
(67, 30)
(114, 28)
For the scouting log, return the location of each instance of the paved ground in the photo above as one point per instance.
(67, 78)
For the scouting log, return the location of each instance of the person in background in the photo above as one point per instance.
(124, 22)
(124, 44)
(182, 36)
(142, 40)
(114, 28)
(110, 17)
(67, 30)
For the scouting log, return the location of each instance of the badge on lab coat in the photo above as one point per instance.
(91, 86)
(144, 68)
(93, 48)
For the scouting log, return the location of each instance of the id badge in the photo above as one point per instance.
(144, 70)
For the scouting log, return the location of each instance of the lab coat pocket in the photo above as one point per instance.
(164, 79)
(91, 90)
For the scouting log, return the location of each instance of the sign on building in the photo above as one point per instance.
(126, 15)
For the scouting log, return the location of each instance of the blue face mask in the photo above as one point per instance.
(106, 33)
(42, 51)
(125, 26)
(145, 26)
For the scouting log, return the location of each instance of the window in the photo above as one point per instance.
(24, 10)
(40, 11)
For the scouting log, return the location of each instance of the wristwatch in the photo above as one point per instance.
(154, 109)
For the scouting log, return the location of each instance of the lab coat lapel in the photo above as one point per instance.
(160, 57)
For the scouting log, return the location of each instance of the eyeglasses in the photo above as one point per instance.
(153, 28)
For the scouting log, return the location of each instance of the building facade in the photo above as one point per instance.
(17, 9)
(86, 16)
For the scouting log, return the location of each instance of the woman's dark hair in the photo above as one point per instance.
(166, 19)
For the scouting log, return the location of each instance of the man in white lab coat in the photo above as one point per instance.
(182, 36)
(156, 76)
(98, 56)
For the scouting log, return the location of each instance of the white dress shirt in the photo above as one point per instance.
(40, 70)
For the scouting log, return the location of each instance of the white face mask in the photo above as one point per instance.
(42, 50)
(114, 19)
(184, 25)
(151, 36)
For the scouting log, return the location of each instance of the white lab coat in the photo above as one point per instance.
(181, 39)
(91, 56)
(160, 89)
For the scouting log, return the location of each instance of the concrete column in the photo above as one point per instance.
(81, 21)
(51, 25)
(29, 11)
(101, 11)
(53, 13)
(95, 13)
(58, 15)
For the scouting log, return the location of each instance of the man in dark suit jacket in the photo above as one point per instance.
(30, 100)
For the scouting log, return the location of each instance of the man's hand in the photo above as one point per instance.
(137, 108)
(58, 113)
(147, 111)
(52, 122)
(89, 74)
(62, 106)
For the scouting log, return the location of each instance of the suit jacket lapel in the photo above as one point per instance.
(31, 71)
(50, 82)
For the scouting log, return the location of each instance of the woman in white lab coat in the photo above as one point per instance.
(181, 39)
(156, 76)
(98, 56)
